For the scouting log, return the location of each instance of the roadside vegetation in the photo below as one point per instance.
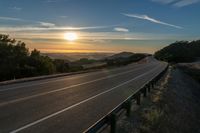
(16, 61)
(191, 69)
(180, 51)
(172, 107)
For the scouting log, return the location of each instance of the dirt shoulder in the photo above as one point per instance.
(172, 107)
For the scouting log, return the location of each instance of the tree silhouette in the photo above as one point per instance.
(17, 62)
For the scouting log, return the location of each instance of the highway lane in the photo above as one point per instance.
(72, 109)
(63, 78)
(15, 91)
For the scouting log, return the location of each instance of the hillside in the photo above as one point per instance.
(124, 58)
(181, 51)
(77, 56)
(120, 55)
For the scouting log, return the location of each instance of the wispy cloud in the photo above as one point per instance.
(51, 1)
(46, 24)
(183, 3)
(145, 17)
(164, 1)
(120, 29)
(49, 28)
(63, 16)
(16, 8)
(43, 26)
(10, 19)
(177, 3)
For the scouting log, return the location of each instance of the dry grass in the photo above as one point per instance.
(172, 107)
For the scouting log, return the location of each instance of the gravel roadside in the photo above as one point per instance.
(172, 107)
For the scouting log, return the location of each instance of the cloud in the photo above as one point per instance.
(183, 3)
(51, 1)
(177, 3)
(19, 19)
(95, 36)
(10, 19)
(120, 29)
(45, 24)
(163, 1)
(48, 28)
(63, 16)
(145, 17)
(16, 8)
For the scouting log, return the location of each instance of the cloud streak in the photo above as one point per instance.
(163, 1)
(183, 3)
(120, 29)
(177, 3)
(10, 19)
(16, 8)
(48, 27)
(43, 24)
(46, 24)
(145, 17)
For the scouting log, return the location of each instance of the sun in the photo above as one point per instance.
(70, 36)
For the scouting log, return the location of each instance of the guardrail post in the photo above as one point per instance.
(138, 99)
(145, 91)
(152, 84)
(149, 87)
(128, 108)
(113, 123)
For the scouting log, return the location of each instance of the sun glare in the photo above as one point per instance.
(70, 36)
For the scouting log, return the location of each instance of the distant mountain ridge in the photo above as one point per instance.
(120, 55)
(78, 56)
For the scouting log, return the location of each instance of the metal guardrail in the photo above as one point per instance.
(111, 118)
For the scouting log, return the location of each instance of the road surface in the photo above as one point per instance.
(72, 103)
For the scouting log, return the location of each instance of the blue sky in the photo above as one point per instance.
(101, 25)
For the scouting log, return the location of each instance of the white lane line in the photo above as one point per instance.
(70, 107)
(51, 81)
(61, 89)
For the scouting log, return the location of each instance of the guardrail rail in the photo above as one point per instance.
(111, 118)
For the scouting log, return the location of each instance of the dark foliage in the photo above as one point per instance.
(61, 65)
(17, 62)
(182, 51)
(192, 71)
(85, 61)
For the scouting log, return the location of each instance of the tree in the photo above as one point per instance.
(13, 56)
(61, 65)
(43, 64)
(17, 62)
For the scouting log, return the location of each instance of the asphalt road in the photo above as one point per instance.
(70, 104)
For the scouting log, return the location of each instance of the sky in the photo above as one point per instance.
(142, 26)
